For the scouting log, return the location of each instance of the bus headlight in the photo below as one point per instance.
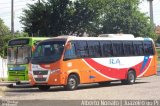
(55, 70)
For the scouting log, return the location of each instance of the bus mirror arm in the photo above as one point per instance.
(28, 59)
(68, 46)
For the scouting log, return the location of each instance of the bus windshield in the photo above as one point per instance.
(47, 52)
(18, 54)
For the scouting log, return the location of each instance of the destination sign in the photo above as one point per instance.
(18, 42)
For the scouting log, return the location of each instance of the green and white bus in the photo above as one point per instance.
(18, 54)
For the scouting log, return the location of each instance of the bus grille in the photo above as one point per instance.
(40, 72)
(40, 79)
(17, 73)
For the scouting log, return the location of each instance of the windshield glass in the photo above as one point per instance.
(18, 55)
(48, 52)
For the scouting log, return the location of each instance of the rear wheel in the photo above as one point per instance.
(72, 82)
(131, 77)
(43, 87)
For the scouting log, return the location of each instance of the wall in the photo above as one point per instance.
(3, 68)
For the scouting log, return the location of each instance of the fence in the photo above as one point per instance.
(3, 68)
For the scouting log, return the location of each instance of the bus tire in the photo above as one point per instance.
(43, 87)
(131, 77)
(72, 82)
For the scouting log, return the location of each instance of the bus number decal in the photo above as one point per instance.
(69, 64)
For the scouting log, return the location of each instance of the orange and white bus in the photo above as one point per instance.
(70, 61)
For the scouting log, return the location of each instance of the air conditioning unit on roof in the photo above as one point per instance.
(117, 35)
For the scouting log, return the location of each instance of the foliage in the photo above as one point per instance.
(44, 19)
(123, 16)
(4, 31)
(55, 17)
(5, 36)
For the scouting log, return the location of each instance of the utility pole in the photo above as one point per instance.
(151, 11)
(12, 17)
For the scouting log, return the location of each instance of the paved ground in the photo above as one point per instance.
(144, 89)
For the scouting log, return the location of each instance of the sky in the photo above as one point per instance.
(19, 5)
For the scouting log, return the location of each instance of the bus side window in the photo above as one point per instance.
(70, 53)
(128, 48)
(148, 48)
(106, 48)
(94, 49)
(138, 48)
(118, 48)
(81, 49)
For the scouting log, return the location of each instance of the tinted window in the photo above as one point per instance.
(81, 49)
(148, 48)
(118, 48)
(128, 48)
(48, 52)
(106, 48)
(138, 48)
(94, 49)
(70, 53)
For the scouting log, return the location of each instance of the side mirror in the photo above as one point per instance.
(27, 59)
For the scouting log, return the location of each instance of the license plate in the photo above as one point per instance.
(40, 76)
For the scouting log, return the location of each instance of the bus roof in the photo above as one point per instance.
(117, 35)
(97, 38)
(36, 38)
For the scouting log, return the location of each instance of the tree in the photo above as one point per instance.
(123, 16)
(34, 20)
(111, 16)
(5, 36)
(3, 28)
(56, 17)
(4, 31)
(46, 18)
(84, 17)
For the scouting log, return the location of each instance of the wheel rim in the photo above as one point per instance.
(72, 83)
(131, 78)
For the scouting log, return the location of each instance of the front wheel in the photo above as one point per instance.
(72, 82)
(43, 87)
(131, 77)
